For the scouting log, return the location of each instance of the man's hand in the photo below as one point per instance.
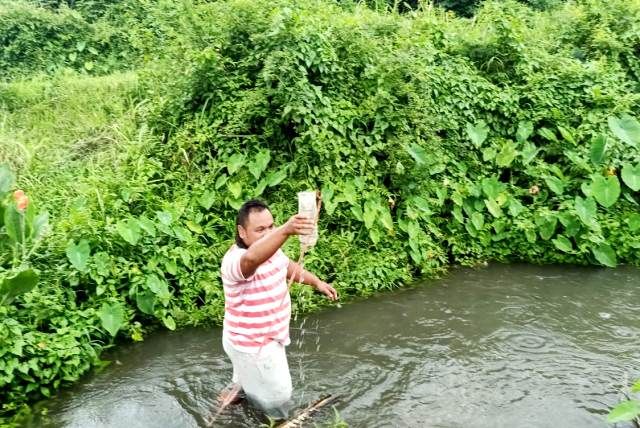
(327, 290)
(299, 225)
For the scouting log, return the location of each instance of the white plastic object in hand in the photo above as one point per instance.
(308, 208)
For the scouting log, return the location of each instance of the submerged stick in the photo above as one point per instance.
(307, 412)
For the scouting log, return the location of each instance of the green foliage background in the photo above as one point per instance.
(436, 140)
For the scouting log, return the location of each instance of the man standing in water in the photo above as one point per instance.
(258, 307)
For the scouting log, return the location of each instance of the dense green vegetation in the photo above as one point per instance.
(436, 140)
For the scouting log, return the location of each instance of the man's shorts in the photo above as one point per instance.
(264, 377)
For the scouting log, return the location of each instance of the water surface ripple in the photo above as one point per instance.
(504, 346)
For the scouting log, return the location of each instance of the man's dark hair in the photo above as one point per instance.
(253, 205)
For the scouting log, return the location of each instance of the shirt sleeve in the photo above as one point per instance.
(230, 269)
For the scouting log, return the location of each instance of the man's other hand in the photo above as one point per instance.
(327, 290)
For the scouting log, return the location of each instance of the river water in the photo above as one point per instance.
(503, 346)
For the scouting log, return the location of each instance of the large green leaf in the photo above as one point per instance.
(259, 164)
(235, 162)
(78, 254)
(555, 184)
(631, 176)
(18, 284)
(633, 220)
(605, 255)
(369, 214)
(235, 188)
(478, 220)
(207, 199)
(417, 153)
(129, 230)
(146, 301)
(14, 224)
(625, 411)
(276, 177)
(586, 210)
(7, 179)
(563, 244)
(525, 129)
(528, 152)
(112, 317)
(477, 134)
(626, 128)
(546, 226)
(493, 207)
(507, 154)
(598, 149)
(169, 322)
(492, 187)
(606, 190)
(158, 286)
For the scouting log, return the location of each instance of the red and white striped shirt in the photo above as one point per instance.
(257, 309)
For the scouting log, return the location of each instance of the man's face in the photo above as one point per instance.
(258, 224)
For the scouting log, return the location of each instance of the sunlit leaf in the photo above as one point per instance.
(555, 184)
(507, 154)
(626, 128)
(633, 220)
(492, 187)
(207, 199)
(605, 254)
(169, 322)
(417, 153)
(235, 162)
(606, 190)
(493, 207)
(277, 177)
(78, 254)
(260, 163)
(478, 133)
(111, 317)
(478, 220)
(525, 129)
(20, 283)
(129, 230)
(563, 244)
(631, 176)
(586, 209)
(625, 411)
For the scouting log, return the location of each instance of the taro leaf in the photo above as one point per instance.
(276, 177)
(515, 207)
(492, 187)
(40, 225)
(507, 154)
(563, 244)
(14, 224)
(262, 184)
(631, 176)
(164, 217)
(78, 254)
(422, 204)
(477, 134)
(158, 286)
(221, 181)
(626, 128)
(570, 222)
(457, 214)
(112, 317)
(235, 162)
(566, 134)
(586, 189)
(235, 189)
(22, 282)
(633, 220)
(528, 152)
(478, 220)
(548, 134)
(546, 227)
(606, 190)
(531, 236)
(605, 255)
(146, 301)
(147, 225)
(374, 235)
(493, 207)
(260, 163)
(169, 322)
(328, 202)
(586, 210)
(7, 179)
(525, 129)
(417, 153)
(555, 184)
(370, 213)
(385, 218)
(207, 199)
(624, 411)
(129, 230)
(598, 149)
